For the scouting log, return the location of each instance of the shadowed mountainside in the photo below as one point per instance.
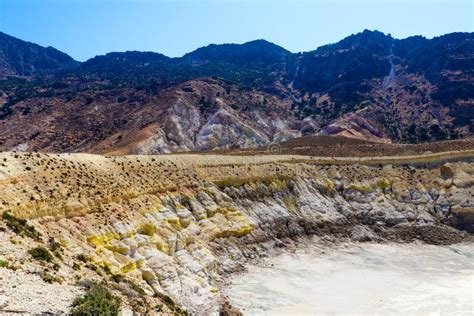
(20, 58)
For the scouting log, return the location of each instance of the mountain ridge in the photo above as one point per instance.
(368, 85)
(365, 31)
(25, 58)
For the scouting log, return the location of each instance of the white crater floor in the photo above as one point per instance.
(363, 279)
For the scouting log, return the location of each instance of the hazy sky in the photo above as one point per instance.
(85, 28)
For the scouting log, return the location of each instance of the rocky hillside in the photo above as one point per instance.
(195, 115)
(368, 86)
(24, 59)
(166, 231)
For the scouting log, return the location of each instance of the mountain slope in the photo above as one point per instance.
(411, 90)
(196, 115)
(20, 58)
(368, 86)
(342, 68)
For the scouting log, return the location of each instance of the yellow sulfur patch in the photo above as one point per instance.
(128, 268)
(101, 240)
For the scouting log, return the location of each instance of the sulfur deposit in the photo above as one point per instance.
(165, 231)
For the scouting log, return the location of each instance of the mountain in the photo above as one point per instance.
(123, 62)
(258, 52)
(20, 58)
(373, 86)
(251, 64)
(369, 86)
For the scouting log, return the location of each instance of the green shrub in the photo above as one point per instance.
(54, 245)
(97, 300)
(118, 278)
(82, 257)
(41, 253)
(171, 304)
(49, 278)
(56, 266)
(94, 268)
(20, 226)
(58, 255)
(4, 264)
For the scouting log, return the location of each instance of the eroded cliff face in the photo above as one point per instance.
(173, 226)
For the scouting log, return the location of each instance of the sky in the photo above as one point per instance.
(86, 28)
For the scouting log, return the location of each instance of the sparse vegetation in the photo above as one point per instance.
(54, 245)
(41, 253)
(20, 226)
(117, 278)
(171, 304)
(97, 300)
(238, 182)
(147, 229)
(363, 188)
(82, 257)
(4, 263)
(49, 278)
(384, 184)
